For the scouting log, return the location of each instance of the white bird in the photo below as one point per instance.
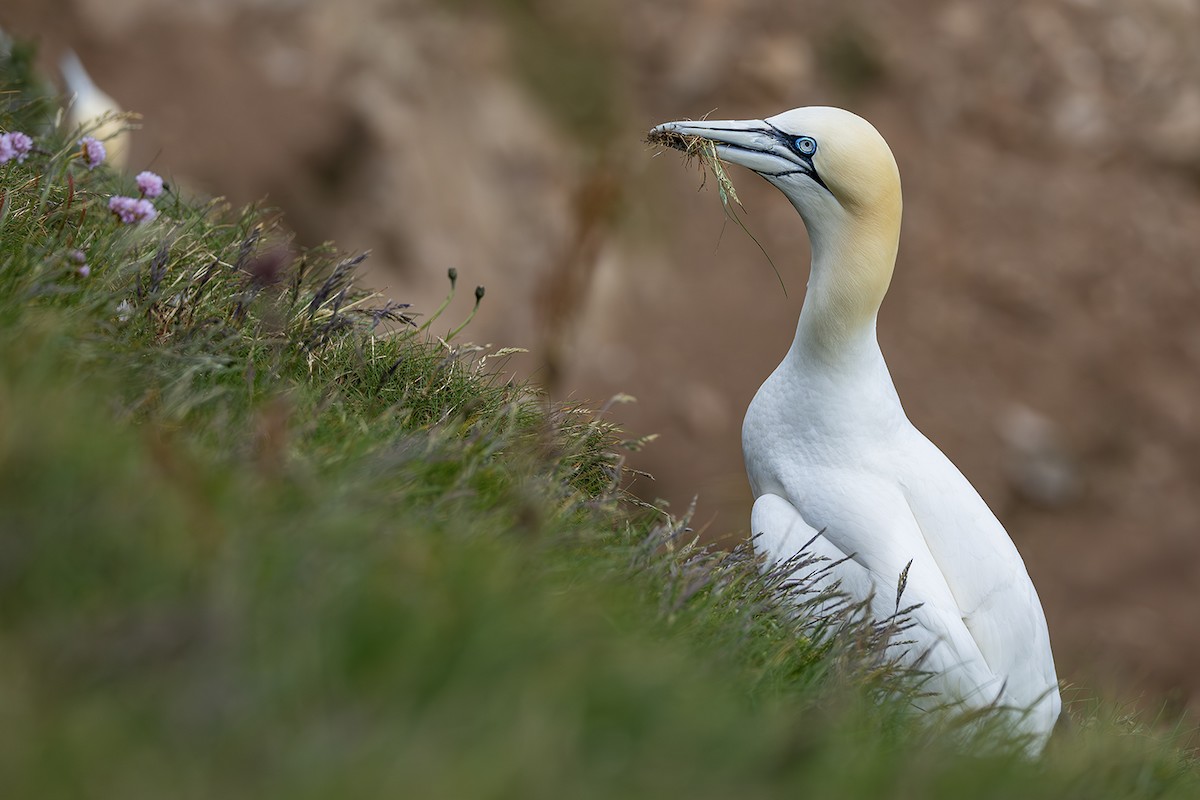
(833, 459)
(95, 113)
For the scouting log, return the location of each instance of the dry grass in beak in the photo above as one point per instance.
(697, 147)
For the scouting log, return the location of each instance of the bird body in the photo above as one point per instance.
(833, 460)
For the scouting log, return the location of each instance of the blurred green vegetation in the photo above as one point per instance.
(261, 536)
(564, 54)
(849, 58)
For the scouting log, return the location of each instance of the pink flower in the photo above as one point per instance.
(93, 151)
(21, 143)
(79, 259)
(14, 145)
(149, 184)
(132, 210)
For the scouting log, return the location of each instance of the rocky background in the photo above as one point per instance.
(1044, 321)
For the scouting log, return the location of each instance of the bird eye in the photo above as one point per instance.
(806, 145)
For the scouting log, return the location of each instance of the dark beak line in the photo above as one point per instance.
(804, 165)
(781, 146)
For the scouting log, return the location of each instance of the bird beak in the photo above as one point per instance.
(749, 143)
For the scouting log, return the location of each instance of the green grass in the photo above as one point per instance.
(262, 537)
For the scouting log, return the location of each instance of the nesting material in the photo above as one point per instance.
(697, 147)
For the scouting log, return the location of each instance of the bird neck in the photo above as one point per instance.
(853, 254)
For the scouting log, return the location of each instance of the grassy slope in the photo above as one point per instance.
(256, 542)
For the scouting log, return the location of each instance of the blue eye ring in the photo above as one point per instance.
(806, 145)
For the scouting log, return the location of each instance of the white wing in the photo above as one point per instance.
(986, 575)
(942, 644)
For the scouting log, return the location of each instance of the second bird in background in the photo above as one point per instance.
(94, 113)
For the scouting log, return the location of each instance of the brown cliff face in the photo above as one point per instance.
(1042, 326)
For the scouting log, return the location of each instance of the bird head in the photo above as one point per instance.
(827, 161)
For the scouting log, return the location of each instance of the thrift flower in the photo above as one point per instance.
(20, 143)
(79, 258)
(132, 210)
(93, 151)
(149, 184)
(14, 145)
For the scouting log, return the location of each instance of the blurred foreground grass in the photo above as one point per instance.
(262, 537)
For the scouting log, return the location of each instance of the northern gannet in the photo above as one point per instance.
(833, 459)
(95, 113)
